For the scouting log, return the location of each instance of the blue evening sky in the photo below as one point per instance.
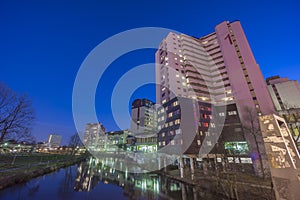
(43, 44)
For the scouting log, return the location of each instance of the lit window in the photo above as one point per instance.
(163, 134)
(164, 101)
(163, 143)
(221, 114)
(175, 103)
(199, 142)
(177, 75)
(232, 113)
(177, 121)
(175, 58)
(166, 58)
(172, 142)
(213, 125)
(237, 147)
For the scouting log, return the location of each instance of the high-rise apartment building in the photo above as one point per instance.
(218, 68)
(219, 72)
(285, 93)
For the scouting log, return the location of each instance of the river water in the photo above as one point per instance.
(94, 180)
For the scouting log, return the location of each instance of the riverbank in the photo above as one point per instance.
(231, 185)
(21, 168)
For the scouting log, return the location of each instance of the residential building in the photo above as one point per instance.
(218, 71)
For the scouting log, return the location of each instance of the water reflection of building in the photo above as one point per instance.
(135, 186)
(86, 178)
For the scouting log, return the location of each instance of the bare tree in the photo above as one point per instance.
(16, 115)
(251, 126)
(75, 141)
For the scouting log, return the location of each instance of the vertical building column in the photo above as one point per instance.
(192, 165)
(205, 166)
(165, 163)
(181, 165)
(159, 162)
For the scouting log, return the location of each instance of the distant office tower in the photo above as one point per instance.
(144, 125)
(54, 140)
(220, 73)
(93, 135)
(285, 93)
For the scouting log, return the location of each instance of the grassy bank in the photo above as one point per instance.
(21, 168)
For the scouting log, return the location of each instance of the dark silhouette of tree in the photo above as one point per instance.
(75, 141)
(251, 126)
(16, 115)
